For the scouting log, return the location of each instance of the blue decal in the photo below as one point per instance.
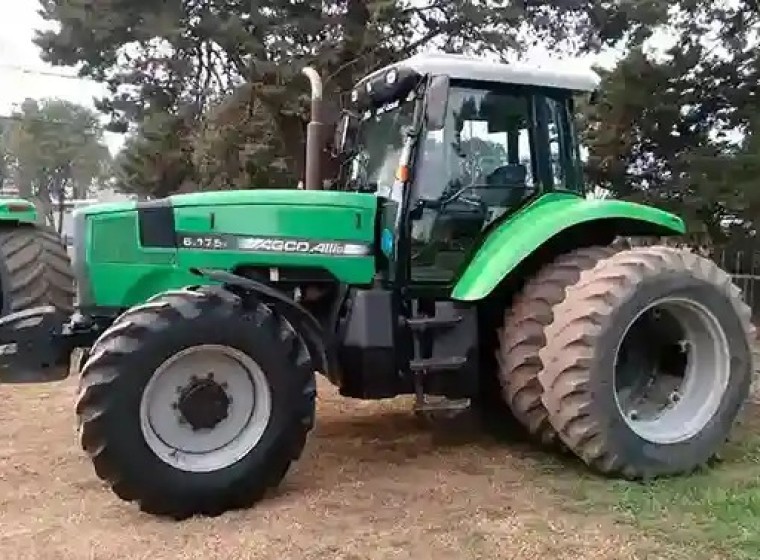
(386, 242)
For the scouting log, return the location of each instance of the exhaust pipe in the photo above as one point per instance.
(314, 133)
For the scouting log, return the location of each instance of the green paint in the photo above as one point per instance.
(122, 273)
(17, 210)
(550, 215)
(276, 197)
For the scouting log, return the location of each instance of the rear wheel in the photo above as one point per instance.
(192, 404)
(648, 362)
(523, 334)
(35, 269)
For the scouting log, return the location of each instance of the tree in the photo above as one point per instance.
(157, 159)
(236, 147)
(182, 56)
(5, 157)
(680, 130)
(56, 151)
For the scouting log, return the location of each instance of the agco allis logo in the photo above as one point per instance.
(295, 246)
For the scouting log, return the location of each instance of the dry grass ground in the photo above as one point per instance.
(373, 483)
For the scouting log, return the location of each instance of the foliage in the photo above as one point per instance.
(680, 131)
(55, 149)
(5, 157)
(184, 56)
(158, 159)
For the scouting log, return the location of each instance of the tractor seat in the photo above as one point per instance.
(505, 186)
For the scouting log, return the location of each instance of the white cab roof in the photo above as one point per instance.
(570, 76)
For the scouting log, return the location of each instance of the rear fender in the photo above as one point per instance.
(556, 218)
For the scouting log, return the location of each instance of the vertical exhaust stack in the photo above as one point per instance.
(314, 133)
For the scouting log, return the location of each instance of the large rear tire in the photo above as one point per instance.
(648, 362)
(35, 269)
(523, 334)
(194, 404)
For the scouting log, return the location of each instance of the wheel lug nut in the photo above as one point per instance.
(675, 397)
(633, 415)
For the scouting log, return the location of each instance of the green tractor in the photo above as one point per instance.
(35, 269)
(454, 258)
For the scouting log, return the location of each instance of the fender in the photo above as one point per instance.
(547, 218)
(307, 326)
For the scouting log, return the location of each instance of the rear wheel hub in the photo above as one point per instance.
(672, 371)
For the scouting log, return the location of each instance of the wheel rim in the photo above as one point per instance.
(205, 408)
(671, 370)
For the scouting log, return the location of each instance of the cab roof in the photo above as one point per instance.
(570, 77)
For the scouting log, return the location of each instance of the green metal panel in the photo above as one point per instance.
(17, 210)
(276, 197)
(304, 221)
(105, 208)
(549, 215)
(123, 273)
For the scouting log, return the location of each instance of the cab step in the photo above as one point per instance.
(430, 405)
(423, 324)
(444, 359)
(436, 365)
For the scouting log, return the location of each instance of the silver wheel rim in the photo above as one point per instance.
(671, 403)
(173, 438)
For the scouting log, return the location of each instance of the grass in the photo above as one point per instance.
(714, 513)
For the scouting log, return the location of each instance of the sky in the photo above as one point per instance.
(23, 74)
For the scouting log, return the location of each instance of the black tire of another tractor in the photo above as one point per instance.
(523, 334)
(35, 269)
(126, 355)
(579, 359)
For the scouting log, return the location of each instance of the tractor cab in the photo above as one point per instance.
(459, 143)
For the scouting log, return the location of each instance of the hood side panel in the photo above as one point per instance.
(135, 254)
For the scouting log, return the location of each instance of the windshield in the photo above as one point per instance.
(377, 149)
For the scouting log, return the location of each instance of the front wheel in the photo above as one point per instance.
(194, 404)
(647, 362)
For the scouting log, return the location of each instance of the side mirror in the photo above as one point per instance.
(436, 102)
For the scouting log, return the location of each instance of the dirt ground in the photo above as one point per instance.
(373, 483)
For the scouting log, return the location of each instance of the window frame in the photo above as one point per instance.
(538, 133)
(569, 148)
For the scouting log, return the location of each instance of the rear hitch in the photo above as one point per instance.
(36, 344)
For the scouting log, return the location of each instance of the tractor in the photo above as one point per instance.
(35, 269)
(453, 258)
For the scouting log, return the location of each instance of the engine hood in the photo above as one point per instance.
(280, 197)
(259, 197)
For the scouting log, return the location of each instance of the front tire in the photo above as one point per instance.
(194, 404)
(647, 363)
